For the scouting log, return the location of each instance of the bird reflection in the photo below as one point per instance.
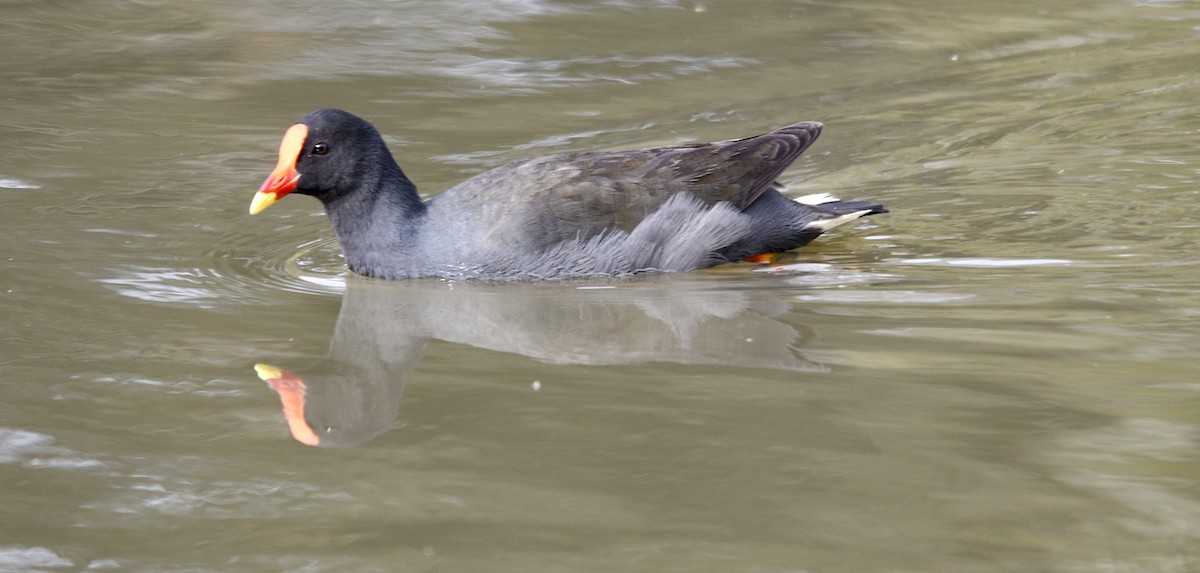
(353, 394)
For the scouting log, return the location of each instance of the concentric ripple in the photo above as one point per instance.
(230, 278)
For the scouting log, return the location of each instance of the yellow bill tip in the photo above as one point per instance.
(261, 201)
(283, 179)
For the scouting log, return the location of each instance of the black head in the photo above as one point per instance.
(340, 151)
(329, 154)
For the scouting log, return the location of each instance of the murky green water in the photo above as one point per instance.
(1000, 375)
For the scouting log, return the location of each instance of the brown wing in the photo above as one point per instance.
(580, 195)
(738, 170)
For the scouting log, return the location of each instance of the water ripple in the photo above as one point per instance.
(233, 280)
(885, 297)
(825, 275)
(16, 558)
(11, 183)
(986, 262)
(34, 449)
(549, 73)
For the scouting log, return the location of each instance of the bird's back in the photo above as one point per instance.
(535, 204)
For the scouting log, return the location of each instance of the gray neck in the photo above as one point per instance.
(378, 229)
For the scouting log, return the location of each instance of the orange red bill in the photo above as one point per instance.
(283, 179)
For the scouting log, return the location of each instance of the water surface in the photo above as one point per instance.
(999, 375)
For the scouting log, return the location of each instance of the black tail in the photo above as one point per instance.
(844, 207)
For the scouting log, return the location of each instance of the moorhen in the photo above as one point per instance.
(566, 215)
